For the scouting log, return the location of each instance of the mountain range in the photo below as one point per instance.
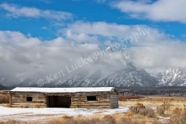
(130, 76)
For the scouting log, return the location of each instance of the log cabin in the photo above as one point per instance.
(77, 97)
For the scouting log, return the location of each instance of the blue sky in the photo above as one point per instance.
(82, 10)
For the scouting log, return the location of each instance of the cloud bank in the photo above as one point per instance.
(25, 58)
(160, 10)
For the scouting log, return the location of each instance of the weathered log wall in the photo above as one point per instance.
(78, 100)
(114, 100)
(20, 100)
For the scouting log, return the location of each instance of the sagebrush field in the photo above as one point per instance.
(133, 110)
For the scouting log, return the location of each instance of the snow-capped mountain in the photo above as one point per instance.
(131, 76)
(172, 77)
(128, 76)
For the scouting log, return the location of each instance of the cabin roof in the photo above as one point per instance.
(63, 90)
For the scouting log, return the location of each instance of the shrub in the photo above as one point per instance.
(178, 120)
(147, 112)
(156, 122)
(179, 117)
(109, 119)
(140, 106)
(142, 110)
(177, 111)
(163, 108)
(136, 109)
(160, 110)
(166, 105)
(150, 113)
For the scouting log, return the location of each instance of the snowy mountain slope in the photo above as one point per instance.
(131, 76)
(128, 76)
(172, 77)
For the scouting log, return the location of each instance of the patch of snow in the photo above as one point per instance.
(163, 118)
(5, 111)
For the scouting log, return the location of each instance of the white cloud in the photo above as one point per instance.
(152, 49)
(98, 28)
(93, 32)
(159, 55)
(160, 10)
(80, 37)
(18, 11)
(33, 58)
(23, 58)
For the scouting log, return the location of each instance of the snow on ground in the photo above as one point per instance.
(163, 118)
(43, 113)
(67, 111)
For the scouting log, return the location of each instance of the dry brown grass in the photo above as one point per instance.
(119, 118)
(15, 122)
(178, 116)
(155, 101)
(172, 107)
(163, 106)
(124, 98)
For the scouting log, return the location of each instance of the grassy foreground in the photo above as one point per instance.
(143, 110)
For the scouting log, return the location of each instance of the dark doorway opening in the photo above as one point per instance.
(59, 101)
